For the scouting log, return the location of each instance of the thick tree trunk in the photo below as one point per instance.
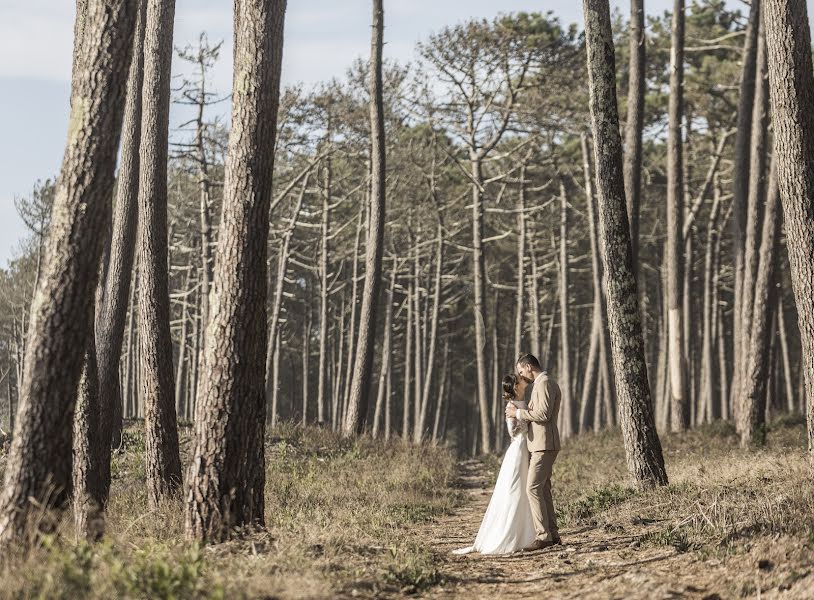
(227, 474)
(791, 85)
(679, 399)
(756, 372)
(635, 123)
(642, 445)
(163, 460)
(38, 472)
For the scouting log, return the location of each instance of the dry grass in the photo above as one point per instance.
(358, 518)
(338, 513)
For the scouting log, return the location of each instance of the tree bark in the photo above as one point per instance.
(387, 351)
(642, 445)
(163, 459)
(227, 474)
(679, 399)
(38, 472)
(755, 200)
(791, 86)
(433, 342)
(88, 499)
(740, 177)
(567, 407)
(635, 123)
(325, 224)
(756, 373)
(479, 304)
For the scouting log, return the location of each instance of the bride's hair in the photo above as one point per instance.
(509, 381)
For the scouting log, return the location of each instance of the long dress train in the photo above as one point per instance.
(507, 525)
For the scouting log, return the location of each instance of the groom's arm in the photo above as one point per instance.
(541, 413)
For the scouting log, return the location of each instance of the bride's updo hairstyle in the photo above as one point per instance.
(509, 381)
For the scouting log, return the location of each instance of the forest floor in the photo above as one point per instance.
(369, 519)
(731, 524)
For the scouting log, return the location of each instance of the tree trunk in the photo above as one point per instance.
(325, 225)
(519, 315)
(408, 374)
(534, 304)
(635, 124)
(87, 490)
(755, 200)
(374, 248)
(163, 460)
(756, 373)
(707, 402)
(791, 86)
(38, 472)
(433, 342)
(479, 304)
(642, 445)
(791, 406)
(387, 344)
(679, 399)
(351, 337)
(282, 268)
(110, 325)
(567, 407)
(227, 475)
(740, 177)
(181, 370)
(440, 405)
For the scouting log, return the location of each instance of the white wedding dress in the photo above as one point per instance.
(507, 525)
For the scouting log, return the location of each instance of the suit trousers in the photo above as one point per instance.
(538, 489)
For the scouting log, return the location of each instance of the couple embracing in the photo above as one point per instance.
(520, 515)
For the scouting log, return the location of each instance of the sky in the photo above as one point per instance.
(322, 39)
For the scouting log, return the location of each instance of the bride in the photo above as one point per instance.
(507, 525)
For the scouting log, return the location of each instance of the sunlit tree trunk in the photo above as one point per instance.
(227, 472)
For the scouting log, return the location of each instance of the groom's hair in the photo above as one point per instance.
(529, 360)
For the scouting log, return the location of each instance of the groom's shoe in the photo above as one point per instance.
(538, 545)
(557, 541)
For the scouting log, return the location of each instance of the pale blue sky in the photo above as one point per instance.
(322, 38)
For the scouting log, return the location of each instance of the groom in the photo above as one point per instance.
(544, 445)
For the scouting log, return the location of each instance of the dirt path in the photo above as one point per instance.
(593, 562)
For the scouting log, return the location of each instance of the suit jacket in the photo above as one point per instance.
(544, 408)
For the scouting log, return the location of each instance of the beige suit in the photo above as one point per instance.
(544, 445)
